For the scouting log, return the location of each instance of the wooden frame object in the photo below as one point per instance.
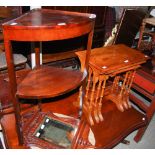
(150, 43)
(128, 29)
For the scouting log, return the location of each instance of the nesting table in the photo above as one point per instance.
(111, 73)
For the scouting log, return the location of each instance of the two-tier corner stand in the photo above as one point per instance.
(45, 81)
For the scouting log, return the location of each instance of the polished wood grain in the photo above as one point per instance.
(116, 57)
(47, 22)
(53, 21)
(98, 36)
(49, 81)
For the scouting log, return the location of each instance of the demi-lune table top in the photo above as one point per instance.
(49, 18)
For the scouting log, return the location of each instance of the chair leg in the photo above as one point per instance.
(140, 134)
(150, 112)
(141, 34)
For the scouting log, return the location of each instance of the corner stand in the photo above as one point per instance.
(44, 82)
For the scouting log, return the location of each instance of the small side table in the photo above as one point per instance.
(111, 73)
(43, 82)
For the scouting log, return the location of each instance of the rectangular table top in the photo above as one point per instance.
(114, 58)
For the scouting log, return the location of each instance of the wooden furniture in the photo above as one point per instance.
(127, 30)
(114, 130)
(5, 93)
(100, 11)
(144, 82)
(111, 73)
(149, 43)
(54, 51)
(44, 81)
(144, 86)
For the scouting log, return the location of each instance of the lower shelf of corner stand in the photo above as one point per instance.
(48, 81)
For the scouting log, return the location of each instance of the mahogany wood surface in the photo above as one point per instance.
(9, 131)
(48, 81)
(47, 22)
(8, 13)
(116, 57)
(101, 13)
(64, 106)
